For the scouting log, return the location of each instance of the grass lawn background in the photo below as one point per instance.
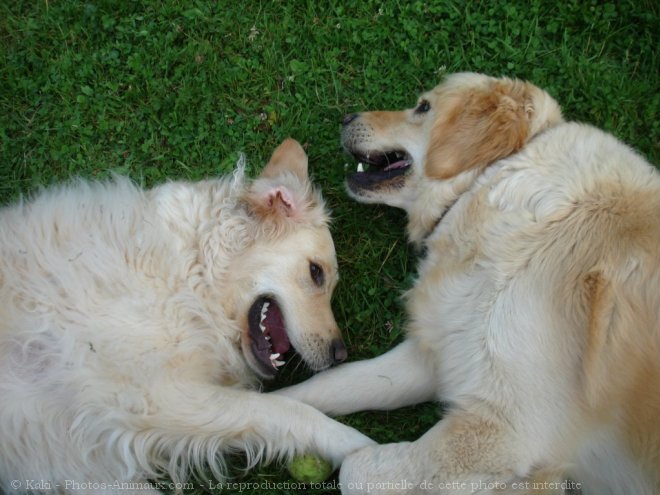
(165, 90)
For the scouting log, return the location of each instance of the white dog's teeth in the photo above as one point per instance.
(263, 317)
(267, 337)
(360, 167)
(274, 361)
(262, 328)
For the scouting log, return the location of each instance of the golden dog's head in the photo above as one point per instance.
(456, 130)
(288, 274)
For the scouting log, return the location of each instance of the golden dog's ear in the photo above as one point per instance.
(282, 189)
(478, 128)
(288, 156)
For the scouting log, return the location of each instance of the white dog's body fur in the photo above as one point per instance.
(123, 327)
(536, 315)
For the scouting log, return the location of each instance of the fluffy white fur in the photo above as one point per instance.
(124, 343)
(536, 314)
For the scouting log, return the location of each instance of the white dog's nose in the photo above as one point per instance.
(338, 351)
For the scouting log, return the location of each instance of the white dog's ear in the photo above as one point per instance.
(478, 128)
(281, 191)
(287, 157)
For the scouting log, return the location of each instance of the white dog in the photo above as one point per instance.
(536, 315)
(133, 326)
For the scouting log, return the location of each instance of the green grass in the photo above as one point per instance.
(167, 89)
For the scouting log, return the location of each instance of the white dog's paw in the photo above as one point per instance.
(343, 443)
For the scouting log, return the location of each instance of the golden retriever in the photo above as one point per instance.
(134, 325)
(536, 314)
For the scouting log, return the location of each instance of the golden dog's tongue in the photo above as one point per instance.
(398, 164)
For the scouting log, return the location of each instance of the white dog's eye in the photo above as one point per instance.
(423, 107)
(316, 272)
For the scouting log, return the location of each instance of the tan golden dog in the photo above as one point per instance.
(536, 314)
(134, 326)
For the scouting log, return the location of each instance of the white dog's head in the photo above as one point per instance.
(456, 130)
(288, 274)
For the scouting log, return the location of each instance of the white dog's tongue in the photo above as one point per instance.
(274, 324)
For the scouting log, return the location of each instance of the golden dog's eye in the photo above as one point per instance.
(423, 107)
(316, 272)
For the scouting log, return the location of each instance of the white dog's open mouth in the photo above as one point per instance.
(377, 169)
(268, 332)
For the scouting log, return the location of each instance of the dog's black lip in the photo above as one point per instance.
(374, 179)
(268, 371)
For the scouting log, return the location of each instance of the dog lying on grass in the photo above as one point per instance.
(536, 314)
(134, 326)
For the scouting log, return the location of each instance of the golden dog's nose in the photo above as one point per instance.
(349, 118)
(338, 351)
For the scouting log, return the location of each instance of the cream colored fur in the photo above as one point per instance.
(124, 345)
(536, 314)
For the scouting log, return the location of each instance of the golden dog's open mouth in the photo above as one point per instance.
(268, 332)
(377, 169)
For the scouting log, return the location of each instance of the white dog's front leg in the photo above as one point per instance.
(233, 419)
(400, 377)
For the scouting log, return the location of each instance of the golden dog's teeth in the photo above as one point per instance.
(360, 167)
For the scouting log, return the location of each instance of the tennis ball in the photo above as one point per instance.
(309, 468)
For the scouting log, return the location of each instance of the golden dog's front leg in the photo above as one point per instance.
(398, 378)
(464, 453)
